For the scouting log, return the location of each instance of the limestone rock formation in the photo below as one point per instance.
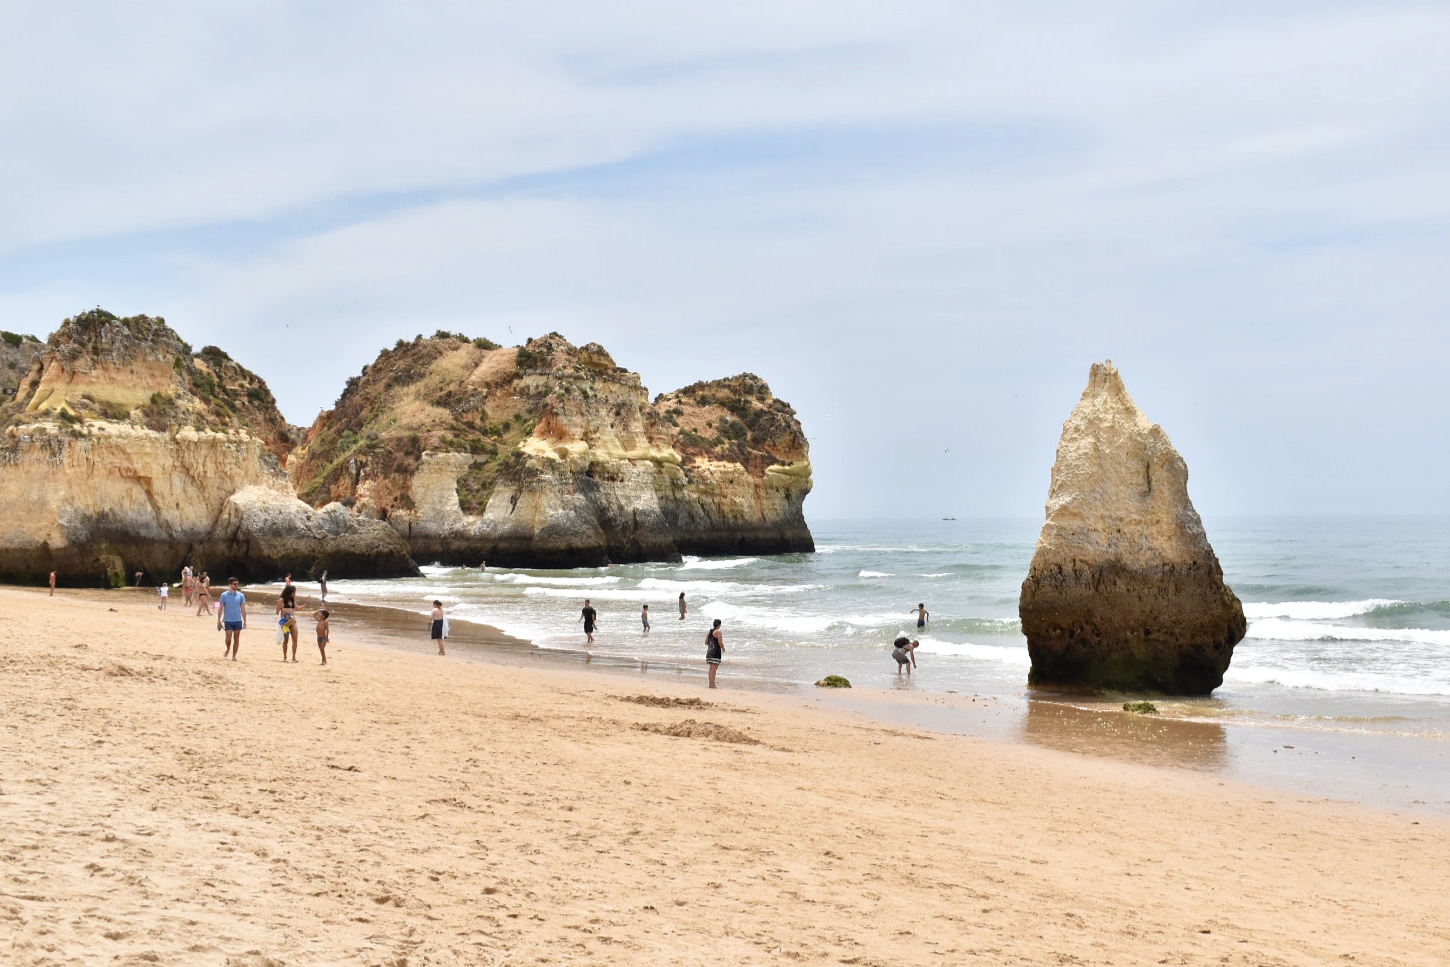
(1124, 591)
(550, 455)
(123, 451)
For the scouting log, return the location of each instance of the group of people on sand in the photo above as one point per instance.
(231, 618)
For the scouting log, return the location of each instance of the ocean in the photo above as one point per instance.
(1349, 618)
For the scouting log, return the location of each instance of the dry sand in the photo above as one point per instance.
(161, 805)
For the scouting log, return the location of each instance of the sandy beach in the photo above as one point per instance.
(161, 805)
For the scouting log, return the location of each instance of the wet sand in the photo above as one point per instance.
(161, 805)
(1404, 772)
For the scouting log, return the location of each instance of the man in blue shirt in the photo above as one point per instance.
(232, 615)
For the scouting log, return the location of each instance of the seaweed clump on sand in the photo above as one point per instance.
(1141, 708)
(834, 681)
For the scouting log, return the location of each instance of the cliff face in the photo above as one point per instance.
(1124, 590)
(550, 455)
(122, 451)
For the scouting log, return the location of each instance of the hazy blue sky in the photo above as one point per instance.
(921, 222)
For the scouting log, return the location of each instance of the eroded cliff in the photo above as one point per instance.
(123, 450)
(550, 455)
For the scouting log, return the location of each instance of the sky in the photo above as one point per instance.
(921, 222)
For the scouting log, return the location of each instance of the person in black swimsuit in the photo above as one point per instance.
(590, 617)
(714, 650)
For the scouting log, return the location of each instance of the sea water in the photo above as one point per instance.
(1348, 618)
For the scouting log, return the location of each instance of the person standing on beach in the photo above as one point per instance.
(921, 615)
(682, 606)
(232, 616)
(52, 584)
(324, 632)
(203, 594)
(590, 617)
(322, 584)
(714, 650)
(165, 592)
(287, 619)
(437, 626)
(644, 618)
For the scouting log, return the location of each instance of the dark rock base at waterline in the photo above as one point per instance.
(1172, 631)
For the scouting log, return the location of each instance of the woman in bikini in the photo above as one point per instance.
(203, 594)
(287, 618)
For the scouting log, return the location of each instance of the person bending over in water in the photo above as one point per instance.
(904, 651)
(714, 649)
(921, 615)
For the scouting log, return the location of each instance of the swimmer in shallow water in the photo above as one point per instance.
(921, 615)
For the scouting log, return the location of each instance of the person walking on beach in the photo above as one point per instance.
(921, 615)
(682, 606)
(644, 618)
(232, 616)
(324, 631)
(188, 588)
(287, 618)
(437, 626)
(714, 649)
(322, 584)
(590, 617)
(52, 584)
(203, 594)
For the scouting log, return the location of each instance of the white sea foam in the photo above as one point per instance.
(1279, 629)
(795, 623)
(551, 579)
(702, 584)
(600, 594)
(700, 564)
(938, 574)
(967, 649)
(873, 574)
(1334, 680)
(1314, 610)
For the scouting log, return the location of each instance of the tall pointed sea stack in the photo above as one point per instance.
(1124, 590)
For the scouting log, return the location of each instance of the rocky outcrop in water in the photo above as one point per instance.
(123, 450)
(550, 455)
(1124, 591)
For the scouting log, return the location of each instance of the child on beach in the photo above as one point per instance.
(324, 630)
(644, 618)
(165, 592)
